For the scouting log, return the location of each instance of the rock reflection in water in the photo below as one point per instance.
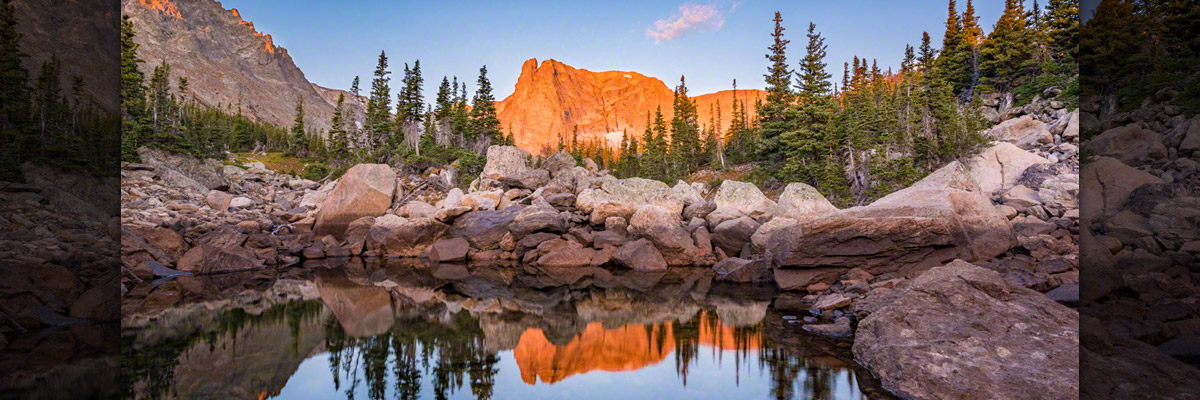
(407, 330)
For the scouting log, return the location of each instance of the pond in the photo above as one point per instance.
(403, 329)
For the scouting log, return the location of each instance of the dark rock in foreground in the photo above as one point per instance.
(960, 331)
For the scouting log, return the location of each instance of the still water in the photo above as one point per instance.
(404, 330)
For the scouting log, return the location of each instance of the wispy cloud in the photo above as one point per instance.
(691, 17)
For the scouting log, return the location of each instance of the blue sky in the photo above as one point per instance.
(711, 43)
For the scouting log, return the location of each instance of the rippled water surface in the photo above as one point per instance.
(405, 330)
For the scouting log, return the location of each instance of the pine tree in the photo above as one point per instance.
(379, 105)
(354, 86)
(337, 129)
(483, 109)
(14, 79)
(927, 53)
(685, 132)
(1062, 22)
(813, 80)
(296, 140)
(445, 100)
(772, 115)
(1006, 49)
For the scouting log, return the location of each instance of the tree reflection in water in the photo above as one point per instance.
(446, 336)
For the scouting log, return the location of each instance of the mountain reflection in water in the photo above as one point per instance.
(407, 330)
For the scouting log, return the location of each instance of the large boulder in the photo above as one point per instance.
(741, 196)
(733, 234)
(185, 171)
(961, 331)
(907, 231)
(800, 202)
(664, 228)
(761, 236)
(1131, 144)
(623, 197)
(640, 255)
(571, 255)
(363, 191)
(1000, 167)
(484, 229)
(409, 239)
(1116, 182)
(687, 193)
(535, 219)
(1025, 132)
(504, 162)
(560, 161)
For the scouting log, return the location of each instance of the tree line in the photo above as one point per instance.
(877, 131)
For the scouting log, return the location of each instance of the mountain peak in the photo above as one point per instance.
(553, 98)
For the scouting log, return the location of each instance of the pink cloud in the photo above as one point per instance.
(691, 17)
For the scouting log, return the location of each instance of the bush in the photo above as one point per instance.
(315, 172)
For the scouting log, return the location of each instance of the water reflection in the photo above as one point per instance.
(406, 331)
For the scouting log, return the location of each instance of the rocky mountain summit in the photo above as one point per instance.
(552, 98)
(228, 62)
(1008, 215)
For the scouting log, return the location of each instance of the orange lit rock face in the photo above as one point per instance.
(164, 6)
(627, 348)
(553, 98)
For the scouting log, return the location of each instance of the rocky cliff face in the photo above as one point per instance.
(83, 35)
(226, 60)
(552, 98)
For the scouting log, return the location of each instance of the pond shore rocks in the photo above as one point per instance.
(1012, 211)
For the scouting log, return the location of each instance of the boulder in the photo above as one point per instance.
(764, 232)
(962, 331)
(559, 161)
(484, 229)
(839, 328)
(734, 269)
(1000, 166)
(800, 202)
(240, 202)
(218, 200)
(529, 179)
(537, 218)
(1025, 132)
(1118, 182)
(699, 210)
(504, 162)
(449, 250)
(364, 190)
(621, 198)
(417, 209)
(640, 255)
(208, 258)
(184, 171)
(571, 255)
(1191, 141)
(447, 215)
(608, 238)
(722, 214)
(409, 239)
(664, 228)
(905, 232)
(687, 193)
(561, 200)
(801, 278)
(1131, 144)
(733, 234)
(740, 196)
